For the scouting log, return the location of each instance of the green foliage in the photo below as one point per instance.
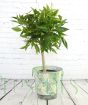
(42, 29)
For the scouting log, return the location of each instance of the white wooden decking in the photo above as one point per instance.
(22, 92)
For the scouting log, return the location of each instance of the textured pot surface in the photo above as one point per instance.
(47, 82)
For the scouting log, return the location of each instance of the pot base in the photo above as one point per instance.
(47, 97)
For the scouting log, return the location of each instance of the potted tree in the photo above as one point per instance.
(43, 29)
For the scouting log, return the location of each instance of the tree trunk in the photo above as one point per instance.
(43, 61)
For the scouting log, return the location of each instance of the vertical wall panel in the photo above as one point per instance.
(16, 62)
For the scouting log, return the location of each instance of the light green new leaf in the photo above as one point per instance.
(17, 29)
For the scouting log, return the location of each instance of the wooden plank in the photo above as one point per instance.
(62, 98)
(41, 101)
(24, 95)
(83, 84)
(79, 98)
(30, 91)
(9, 88)
(3, 81)
(6, 88)
(18, 97)
(32, 98)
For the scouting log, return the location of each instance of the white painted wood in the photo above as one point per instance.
(62, 98)
(31, 99)
(24, 95)
(41, 101)
(14, 61)
(83, 84)
(81, 98)
(18, 96)
(7, 87)
(3, 81)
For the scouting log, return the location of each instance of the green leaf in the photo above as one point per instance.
(43, 27)
(17, 29)
(55, 12)
(37, 48)
(14, 21)
(27, 45)
(60, 17)
(15, 17)
(64, 29)
(64, 42)
(53, 50)
(23, 47)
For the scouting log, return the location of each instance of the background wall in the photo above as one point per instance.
(17, 63)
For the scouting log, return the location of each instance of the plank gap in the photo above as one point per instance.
(10, 91)
(68, 93)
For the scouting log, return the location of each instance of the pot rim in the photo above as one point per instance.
(53, 69)
(48, 67)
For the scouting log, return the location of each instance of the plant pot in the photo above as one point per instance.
(46, 83)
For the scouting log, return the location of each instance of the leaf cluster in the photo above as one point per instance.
(42, 29)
